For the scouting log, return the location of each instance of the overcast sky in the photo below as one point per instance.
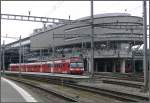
(59, 9)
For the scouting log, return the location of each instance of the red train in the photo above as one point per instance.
(72, 66)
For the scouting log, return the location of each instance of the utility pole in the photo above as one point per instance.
(149, 63)
(53, 47)
(145, 67)
(3, 59)
(23, 58)
(41, 59)
(0, 54)
(20, 56)
(92, 43)
(53, 52)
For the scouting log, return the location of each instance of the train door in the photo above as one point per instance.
(66, 67)
(46, 68)
(52, 68)
(49, 65)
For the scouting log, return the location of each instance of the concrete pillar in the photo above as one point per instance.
(89, 66)
(114, 67)
(105, 67)
(96, 67)
(123, 66)
(134, 66)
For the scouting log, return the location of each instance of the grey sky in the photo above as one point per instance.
(59, 9)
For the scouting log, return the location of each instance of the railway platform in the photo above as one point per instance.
(50, 75)
(10, 92)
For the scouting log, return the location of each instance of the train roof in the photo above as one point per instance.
(55, 61)
(105, 15)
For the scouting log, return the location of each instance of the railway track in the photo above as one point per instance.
(123, 83)
(118, 95)
(108, 93)
(129, 77)
(40, 87)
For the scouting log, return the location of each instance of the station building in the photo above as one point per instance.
(118, 38)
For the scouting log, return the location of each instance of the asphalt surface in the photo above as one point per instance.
(12, 92)
(9, 94)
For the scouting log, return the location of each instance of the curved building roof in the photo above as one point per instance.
(105, 15)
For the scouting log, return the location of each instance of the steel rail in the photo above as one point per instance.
(109, 93)
(38, 86)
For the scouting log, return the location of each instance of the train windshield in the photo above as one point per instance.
(74, 65)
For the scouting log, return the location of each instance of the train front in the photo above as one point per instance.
(76, 66)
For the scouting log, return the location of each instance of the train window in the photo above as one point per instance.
(80, 65)
(74, 65)
(55, 65)
(63, 65)
(49, 65)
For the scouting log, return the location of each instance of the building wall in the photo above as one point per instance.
(45, 39)
(108, 33)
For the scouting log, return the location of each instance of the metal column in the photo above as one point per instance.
(3, 57)
(53, 54)
(20, 56)
(41, 59)
(0, 53)
(146, 73)
(149, 63)
(92, 42)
